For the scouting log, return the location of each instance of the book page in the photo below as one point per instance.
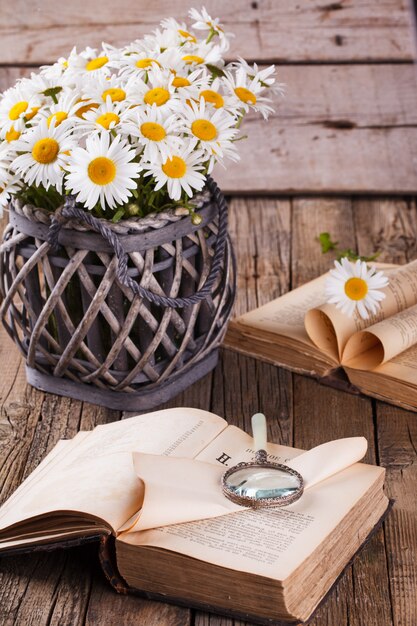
(285, 315)
(329, 328)
(97, 477)
(269, 542)
(381, 342)
(62, 447)
(179, 490)
(403, 367)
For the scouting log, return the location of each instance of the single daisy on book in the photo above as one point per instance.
(354, 328)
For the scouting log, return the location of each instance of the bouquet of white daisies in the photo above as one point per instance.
(132, 130)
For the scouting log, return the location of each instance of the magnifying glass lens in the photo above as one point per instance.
(262, 483)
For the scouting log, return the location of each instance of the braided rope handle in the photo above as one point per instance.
(70, 211)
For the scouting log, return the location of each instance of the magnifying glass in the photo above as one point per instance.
(262, 483)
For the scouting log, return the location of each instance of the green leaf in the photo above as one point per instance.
(354, 256)
(326, 242)
(118, 216)
(216, 71)
(52, 92)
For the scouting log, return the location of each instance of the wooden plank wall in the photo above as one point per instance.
(348, 121)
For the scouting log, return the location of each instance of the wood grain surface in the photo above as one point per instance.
(306, 30)
(275, 241)
(339, 129)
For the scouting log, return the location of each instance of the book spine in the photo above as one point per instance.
(107, 557)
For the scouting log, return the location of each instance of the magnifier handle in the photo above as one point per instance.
(259, 431)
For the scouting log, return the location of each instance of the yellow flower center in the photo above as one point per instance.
(245, 95)
(84, 109)
(192, 58)
(203, 129)
(153, 131)
(175, 167)
(12, 135)
(213, 97)
(180, 81)
(45, 150)
(116, 94)
(187, 35)
(101, 171)
(106, 119)
(32, 113)
(356, 288)
(17, 110)
(143, 64)
(96, 64)
(157, 96)
(59, 117)
(189, 102)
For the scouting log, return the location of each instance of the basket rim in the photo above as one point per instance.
(131, 226)
(136, 241)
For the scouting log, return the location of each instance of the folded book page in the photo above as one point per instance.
(331, 330)
(285, 315)
(270, 542)
(382, 342)
(97, 477)
(181, 490)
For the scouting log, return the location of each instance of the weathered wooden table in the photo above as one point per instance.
(339, 155)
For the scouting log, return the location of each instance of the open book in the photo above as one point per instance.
(302, 333)
(275, 564)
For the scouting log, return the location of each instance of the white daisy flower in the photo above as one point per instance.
(65, 109)
(6, 157)
(158, 90)
(180, 29)
(46, 89)
(17, 107)
(156, 133)
(137, 63)
(190, 84)
(107, 116)
(182, 171)
(90, 62)
(215, 97)
(45, 153)
(203, 21)
(210, 130)
(103, 171)
(98, 89)
(9, 185)
(266, 77)
(247, 92)
(202, 54)
(155, 43)
(353, 286)
(56, 70)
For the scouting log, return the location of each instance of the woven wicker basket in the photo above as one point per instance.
(125, 317)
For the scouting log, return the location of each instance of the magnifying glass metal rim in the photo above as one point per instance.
(261, 461)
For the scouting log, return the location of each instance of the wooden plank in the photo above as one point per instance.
(322, 414)
(339, 130)
(391, 227)
(308, 30)
(387, 226)
(260, 230)
(397, 443)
